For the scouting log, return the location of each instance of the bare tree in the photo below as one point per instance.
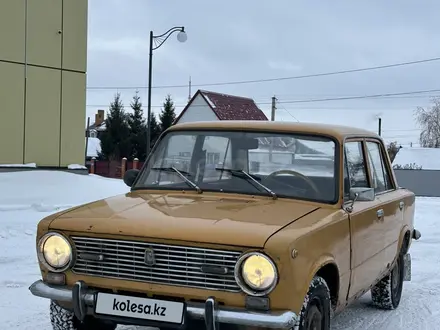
(393, 149)
(429, 121)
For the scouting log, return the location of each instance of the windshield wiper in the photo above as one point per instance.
(236, 171)
(181, 174)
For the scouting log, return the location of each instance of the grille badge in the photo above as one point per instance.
(149, 258)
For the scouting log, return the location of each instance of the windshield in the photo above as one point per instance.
(278, 165)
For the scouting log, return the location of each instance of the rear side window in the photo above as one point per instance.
(379, 172)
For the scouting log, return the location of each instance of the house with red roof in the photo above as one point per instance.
(212, 106)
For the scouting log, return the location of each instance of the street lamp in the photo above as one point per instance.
(181, 36)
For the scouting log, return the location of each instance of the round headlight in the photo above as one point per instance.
(55, 252)
(256, 274)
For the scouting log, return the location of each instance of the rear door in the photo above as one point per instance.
(388, 195)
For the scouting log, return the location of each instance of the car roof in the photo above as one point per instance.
(337, 131)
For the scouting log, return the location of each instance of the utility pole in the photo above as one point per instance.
(380, 126)
(274, 107)
(272, 118)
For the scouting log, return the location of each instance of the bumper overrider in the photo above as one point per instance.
(84, 302)
(416, 234)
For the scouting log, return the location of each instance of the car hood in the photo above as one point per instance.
(206, 218)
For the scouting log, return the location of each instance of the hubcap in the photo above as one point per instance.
(314, 318)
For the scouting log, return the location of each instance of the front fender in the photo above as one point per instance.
(302, 249)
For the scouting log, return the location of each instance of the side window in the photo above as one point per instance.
(355, 166)
(381, 179)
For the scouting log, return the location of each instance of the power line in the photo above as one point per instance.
(376, 96)
(241, 82)
(403, 130)
(383, 131)
(390, 97)
(347, 107)
(385, 95)
(291, 115)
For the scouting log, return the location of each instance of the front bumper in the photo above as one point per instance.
(84, 300)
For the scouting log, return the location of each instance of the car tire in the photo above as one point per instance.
(316, 310)
(63, 319)
(388, 292)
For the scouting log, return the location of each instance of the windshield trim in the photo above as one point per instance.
(336, 174)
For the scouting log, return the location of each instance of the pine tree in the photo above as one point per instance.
(138, 129)
(115, 140)
(168, 114)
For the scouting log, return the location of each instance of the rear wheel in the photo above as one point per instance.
(63, 319)
(316, 310)
(388, 292)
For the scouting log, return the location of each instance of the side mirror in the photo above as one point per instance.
(362, 194)
(130, 176)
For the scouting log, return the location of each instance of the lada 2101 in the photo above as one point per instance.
(234, 225)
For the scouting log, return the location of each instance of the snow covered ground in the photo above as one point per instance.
(26, 197)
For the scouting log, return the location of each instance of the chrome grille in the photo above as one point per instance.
(175, 264)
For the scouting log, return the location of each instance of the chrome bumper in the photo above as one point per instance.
(83, 299)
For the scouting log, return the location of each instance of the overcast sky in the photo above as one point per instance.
(247, 40)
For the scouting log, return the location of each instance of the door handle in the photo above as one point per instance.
(401, 205)
(379, 213)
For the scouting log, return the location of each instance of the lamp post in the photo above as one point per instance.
(181, 36)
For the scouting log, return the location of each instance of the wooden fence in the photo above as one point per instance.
(112, 169)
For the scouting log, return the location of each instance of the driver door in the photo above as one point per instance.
(365, 224)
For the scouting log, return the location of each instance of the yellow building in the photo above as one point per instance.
(43, 57)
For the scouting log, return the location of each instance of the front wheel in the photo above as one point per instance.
(63, 319)
(315, 313)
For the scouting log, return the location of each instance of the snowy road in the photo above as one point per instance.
(27, 197)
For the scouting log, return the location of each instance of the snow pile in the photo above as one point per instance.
(76, 167)
(28, 165)
(53, 189)
(427, 158)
